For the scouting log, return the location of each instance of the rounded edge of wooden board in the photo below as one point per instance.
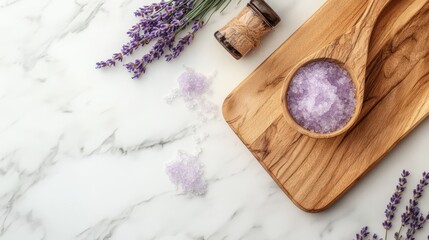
(288, 195)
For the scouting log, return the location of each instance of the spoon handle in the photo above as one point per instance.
(360, 35)
(370, 16)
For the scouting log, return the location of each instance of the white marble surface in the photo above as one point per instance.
(83, 152)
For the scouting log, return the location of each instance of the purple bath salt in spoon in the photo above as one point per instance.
(322, 96)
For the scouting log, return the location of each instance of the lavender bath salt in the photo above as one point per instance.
(321, 97)
(194, 89)
(186, 172)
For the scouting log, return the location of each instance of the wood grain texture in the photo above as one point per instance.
(314, 173)
(350, 51)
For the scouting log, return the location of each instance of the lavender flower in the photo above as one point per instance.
(138, 67)
(420, 187)
(396, 236)
(418, 220)
(395, 199)
(162, 22)
(362, 234)
(375, 237)
(412, 209)
(185, 41)
(156, 22)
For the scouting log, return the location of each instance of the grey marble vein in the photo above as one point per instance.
(108, 145)
(105, 228)
(26, 181)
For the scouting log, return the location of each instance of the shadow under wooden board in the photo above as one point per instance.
(315, 173)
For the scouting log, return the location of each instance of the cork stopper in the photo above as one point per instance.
(245, 31)
(269, 15)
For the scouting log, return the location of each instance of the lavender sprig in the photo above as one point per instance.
(412, 217)
(157, 21)
(162, 22)
(420, 187)
(395, 199)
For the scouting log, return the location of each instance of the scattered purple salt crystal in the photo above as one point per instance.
(193, 87)
(186, 172)
(321, 97)
(200, 139)
(207, 110)
(192, 84)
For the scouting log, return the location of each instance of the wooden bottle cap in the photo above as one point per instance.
(266, 12)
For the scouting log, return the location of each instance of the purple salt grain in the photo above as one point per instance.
(194, 88)
(192, 84)
(186, 172)
(321, 97)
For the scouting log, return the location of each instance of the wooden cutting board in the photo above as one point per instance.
(315, 173)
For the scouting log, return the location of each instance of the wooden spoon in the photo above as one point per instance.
(349, 51)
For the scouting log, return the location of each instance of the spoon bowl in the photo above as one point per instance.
(293, 123)
(349, 51)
